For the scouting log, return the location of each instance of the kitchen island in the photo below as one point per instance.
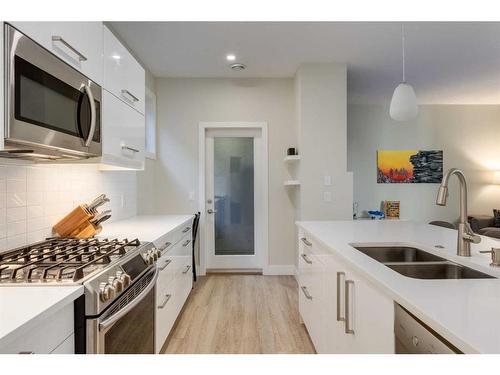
(460, 310)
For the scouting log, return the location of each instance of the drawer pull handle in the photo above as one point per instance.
(27, 352)
(340, 308)
(167, 244)
(57, 38)
(306, 293)
(306, 242)
(306, 259)
(166, 264)
(125, 147)
(187, 269)
(130, 96)
(186, 243)
(186, 229)
(167, 298)
(349, 313)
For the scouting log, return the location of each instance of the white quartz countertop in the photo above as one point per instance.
(22, 308)
(465, 311)
(144, 227)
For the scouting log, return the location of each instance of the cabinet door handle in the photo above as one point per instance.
(167, 244)
(306, 259)
(167, 298)
(306, 292)
(186, 243)
(26, 352)
(306, 242)
(340, 284)
(349, 306)
(57, 38)
(166, 264)
(130, 95)
(187, 269)
(125, 147)
(186, 229)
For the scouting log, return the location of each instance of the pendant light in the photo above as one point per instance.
(404, 105)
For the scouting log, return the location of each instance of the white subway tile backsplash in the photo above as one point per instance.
(34, 198)
(16, 241)
(16, 214)
(15, 229)
(16, 186)
(34, 212)
(16, 199)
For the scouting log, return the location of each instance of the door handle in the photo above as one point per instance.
(306, 292)
(210, 211)
(306, 259)
(57, 38)
(349, 306)
(129, 95)
(88, 91)
(306, 242)
(186, 270)
(340, 284)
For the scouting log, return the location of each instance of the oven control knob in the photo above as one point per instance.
(126, 280)
(154, 253)
(116, 283)
(158, 253)
(106, 292)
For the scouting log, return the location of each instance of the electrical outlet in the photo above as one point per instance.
(327, 196)
(191, 195)
(327, 180)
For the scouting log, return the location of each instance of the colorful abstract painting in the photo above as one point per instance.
(409, 166)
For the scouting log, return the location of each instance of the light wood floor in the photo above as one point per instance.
(241, 314)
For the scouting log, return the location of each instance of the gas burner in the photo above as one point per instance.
(62, 260)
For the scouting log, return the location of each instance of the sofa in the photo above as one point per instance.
(484, 225)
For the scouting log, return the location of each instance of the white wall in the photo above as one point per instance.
(183, 103)
(321, 99)
(468, 135)
(34, 197)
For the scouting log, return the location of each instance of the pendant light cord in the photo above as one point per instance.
(403, 50)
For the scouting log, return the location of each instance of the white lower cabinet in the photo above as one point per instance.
(342, 311)
(53, 334)
(174, 284)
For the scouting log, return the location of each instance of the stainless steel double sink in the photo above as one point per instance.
(419, 264)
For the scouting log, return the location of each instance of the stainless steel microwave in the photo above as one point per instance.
(52, 111)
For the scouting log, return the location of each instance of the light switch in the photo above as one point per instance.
(191, 195)
(327, 196)
(327, 180)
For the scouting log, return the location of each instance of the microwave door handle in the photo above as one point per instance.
(108, 323)
(88, 91)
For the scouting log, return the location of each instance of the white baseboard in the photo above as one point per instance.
(280, 270)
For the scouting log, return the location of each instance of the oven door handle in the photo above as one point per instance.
(88, 91)
(108, 323)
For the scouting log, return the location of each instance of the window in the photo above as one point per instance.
(150, 124)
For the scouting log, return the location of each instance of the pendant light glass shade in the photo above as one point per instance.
(404, 105)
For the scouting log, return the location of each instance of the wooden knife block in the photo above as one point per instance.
(74, 222)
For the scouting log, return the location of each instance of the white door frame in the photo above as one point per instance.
(263, 233)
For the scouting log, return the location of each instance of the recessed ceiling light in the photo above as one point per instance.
(116, 56)
(238, 67)
(230, 57)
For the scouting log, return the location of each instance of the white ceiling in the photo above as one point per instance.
(447, 63)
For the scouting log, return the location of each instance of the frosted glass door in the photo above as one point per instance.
(233, 181)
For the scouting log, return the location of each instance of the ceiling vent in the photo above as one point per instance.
(238, 67)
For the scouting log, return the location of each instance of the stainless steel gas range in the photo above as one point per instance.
(116, 312)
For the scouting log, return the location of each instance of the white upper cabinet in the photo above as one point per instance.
(124, 77)
(79, 44)
(123, 134)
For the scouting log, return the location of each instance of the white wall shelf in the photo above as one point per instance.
(292, 183)
(292, 158)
